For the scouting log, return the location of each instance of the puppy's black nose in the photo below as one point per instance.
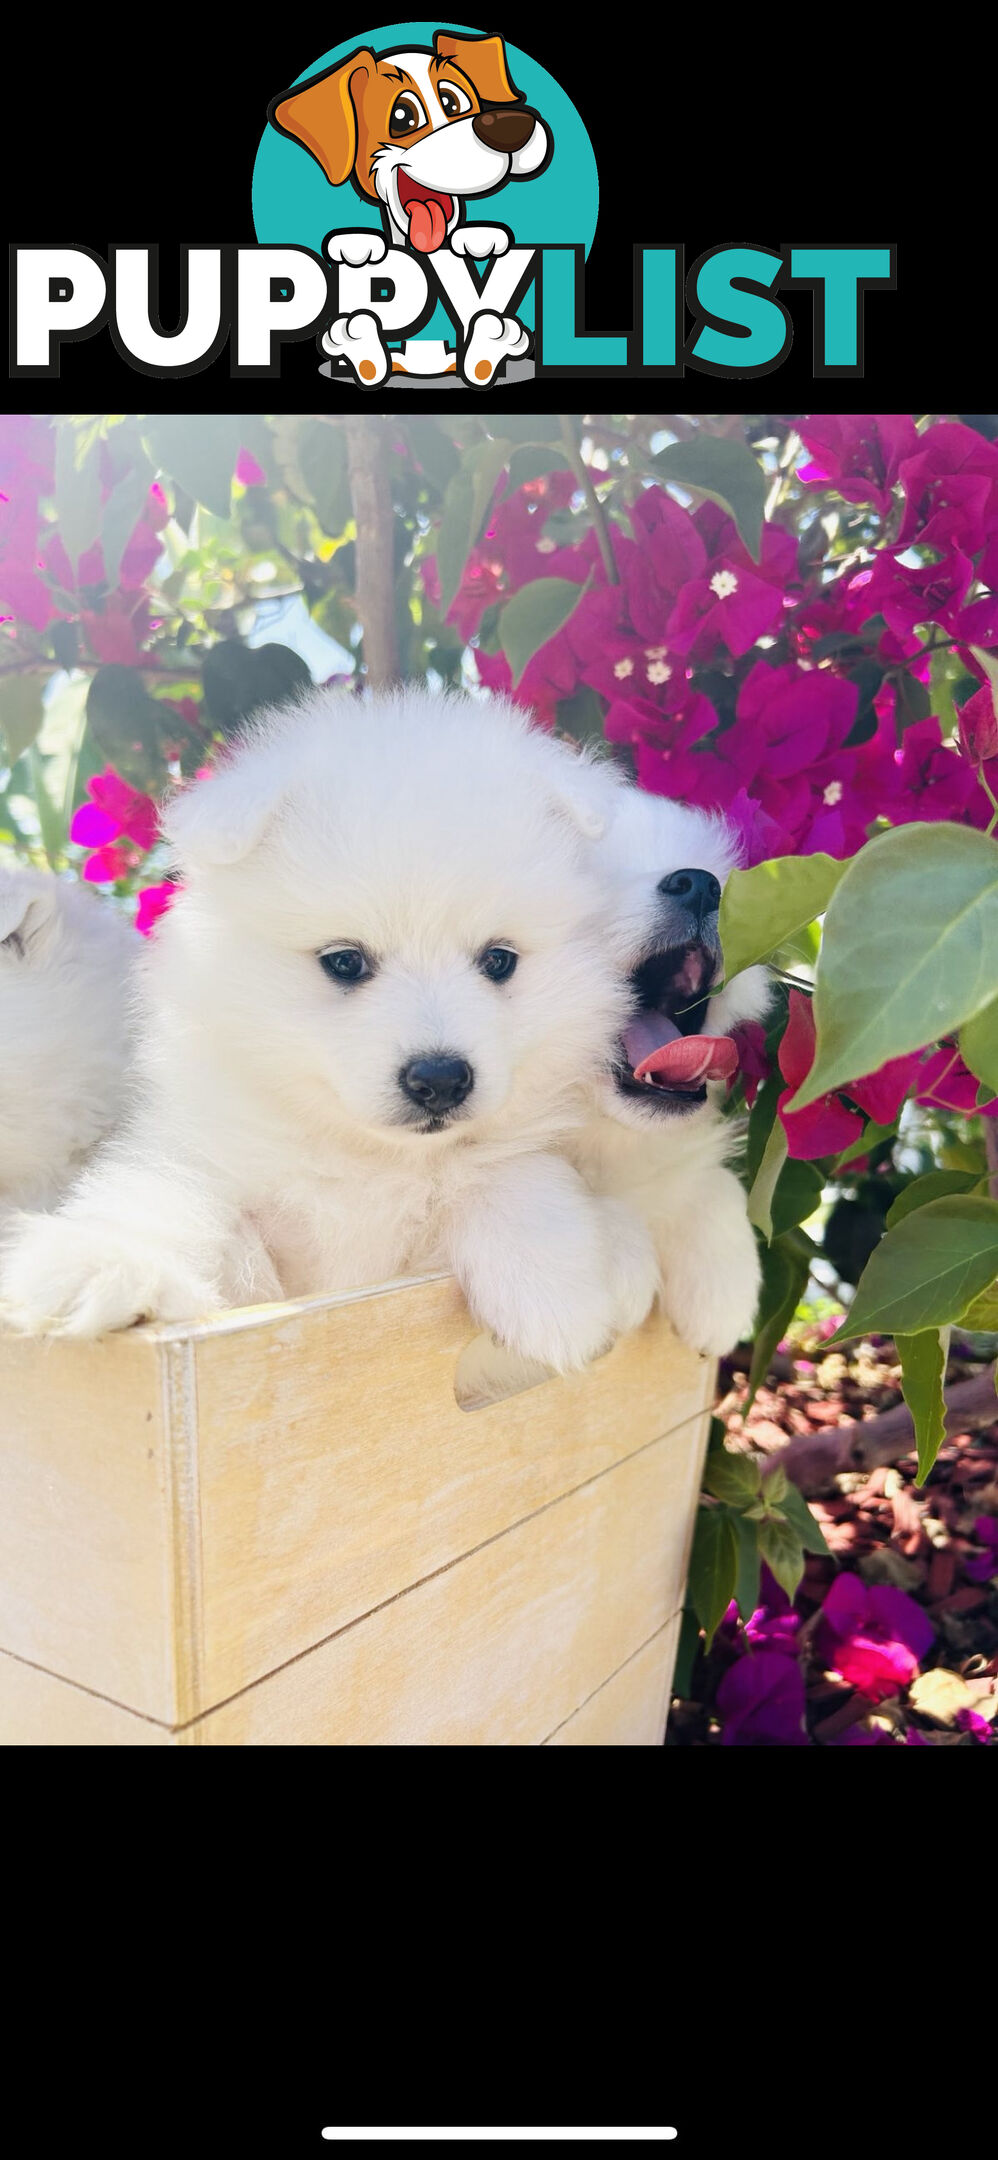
(697, 889)
(437, 1084)
(503, 130)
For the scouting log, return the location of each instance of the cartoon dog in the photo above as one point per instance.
(417, 132)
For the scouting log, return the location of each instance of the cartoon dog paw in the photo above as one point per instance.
(358, 340)
(356, 248)
(492, 339)
(479, 241)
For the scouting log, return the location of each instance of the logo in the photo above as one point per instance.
(425, 200)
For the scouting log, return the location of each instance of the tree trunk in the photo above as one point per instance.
(814, 1459)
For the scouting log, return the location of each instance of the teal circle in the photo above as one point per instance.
(293, 202)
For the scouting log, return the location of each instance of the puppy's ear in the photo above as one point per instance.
(322, 116)
(483, 61)
(585, 789)
(27, 910)
(221, 819)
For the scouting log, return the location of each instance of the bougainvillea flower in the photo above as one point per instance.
(859, 454)
(945, 1083)
(749, 1038)
(977, 723)
(153, 902)
(873, 1635)
(774, 1631)
(971, 1721)
(906, 594)
(825, 1127)
(881, 1093)
(951, 489)
(249, 471)
(732, 607)
(802, 714)
(761, 1702)
(115, 812)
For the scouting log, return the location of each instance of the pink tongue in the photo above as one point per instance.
(689, 1059)
(427, 225)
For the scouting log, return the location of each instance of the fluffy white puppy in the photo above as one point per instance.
(65, 968)
(659, 1145)
(365, 1020)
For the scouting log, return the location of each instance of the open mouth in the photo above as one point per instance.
(665, 1059)
(428, 211)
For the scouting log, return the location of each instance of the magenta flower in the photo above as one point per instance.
(873, 1635)
(732, 607)
(825, 1127)
(249, 471)
(154, 900)
(859, 454)
(749, 1038)
(945, 1083)
(119, 825)
(761, 1702)
(951, 489)
(978, 727)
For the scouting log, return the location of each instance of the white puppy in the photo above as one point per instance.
(65, 967)
(663, 1147)
(366, 1018)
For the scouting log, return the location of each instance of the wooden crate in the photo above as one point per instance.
(280, 1528)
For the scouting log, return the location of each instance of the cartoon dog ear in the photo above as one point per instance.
(219, 820)
(483, 61)
(321, 115)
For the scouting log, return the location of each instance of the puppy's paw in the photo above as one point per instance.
(713, 1311)
(492, 340)
(356, 248)
(632, 1269)
(479, 241)
(563, 1334)
(64, 1276)
(357, 339)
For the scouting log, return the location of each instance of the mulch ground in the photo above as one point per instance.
(877, 1523)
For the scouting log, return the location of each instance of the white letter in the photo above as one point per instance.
(357, 285)
(204, 309)
(260, 319)
(39, 314)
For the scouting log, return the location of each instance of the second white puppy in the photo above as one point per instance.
(664, 1148)
(66, 962)
(366, 1018)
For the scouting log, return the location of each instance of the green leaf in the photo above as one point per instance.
(747, 1577)
(762, 908)
(77, 490)
(688, 1645)
(760, 1199)
(981, 1315)
(728, 473)
(53, 830)
(533, 615)
(800, 1518)
(784, 1279)
(910, 950)
(581, 716)
(730, 1477)
(198, 451)
(870, 1138)
(923, 1371)
(121, 514)
(935, 1185)
(127, 725)
(239, 679)
(979, 1046)
(762, 1118)
(21, 710)
(454, 537)
(322, 452)
(531, 462)
(783, 1553)
(433, 450)
(795, 1196)
(927, 1269)
(713, 1567)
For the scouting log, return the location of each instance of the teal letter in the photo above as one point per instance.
(560, 344)
(658, 307)
(840, 275)
(765, 334)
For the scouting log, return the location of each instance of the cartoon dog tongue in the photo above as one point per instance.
(427, 222)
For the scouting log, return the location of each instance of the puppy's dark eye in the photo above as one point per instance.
(498, 962)
(406, 114)
(453, 100)
(346, 964)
